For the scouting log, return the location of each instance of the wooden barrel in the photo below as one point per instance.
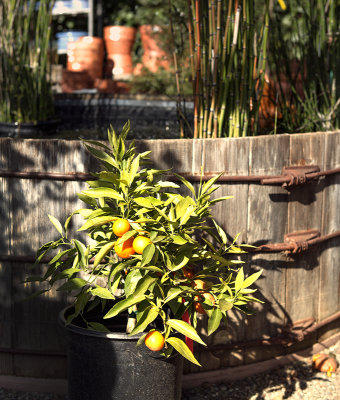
(294, 286)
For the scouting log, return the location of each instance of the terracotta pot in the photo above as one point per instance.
(72, 80)
(86, 54)
(154, 56)
(118, 42)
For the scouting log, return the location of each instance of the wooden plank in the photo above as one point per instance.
(230, 156)
(329, 298)
(267, 216)
(34, 321)
(6, 360)
(305, 212)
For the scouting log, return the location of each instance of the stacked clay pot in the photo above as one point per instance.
(118, 43)
(86, 54)
(153, 55)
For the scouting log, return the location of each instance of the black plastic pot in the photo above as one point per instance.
(28, 130)
(107, 366)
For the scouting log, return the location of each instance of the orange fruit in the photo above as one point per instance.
(120, 226)
(124, 249)
(188, 273)
(198, 306)
(154, 340)
(140, 243)
(199, 284)
(208, 296)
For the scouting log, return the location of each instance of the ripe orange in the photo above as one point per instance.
(154, 340)
(208, 296)
(140, 243)
(124, 249)
(198, 306)
(188, 273)
(120, 226)
(199, 284)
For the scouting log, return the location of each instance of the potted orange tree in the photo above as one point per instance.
(153, 261)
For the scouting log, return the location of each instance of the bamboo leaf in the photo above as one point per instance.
(183, 349)
(185, 329)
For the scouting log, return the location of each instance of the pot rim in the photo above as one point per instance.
(77, 329)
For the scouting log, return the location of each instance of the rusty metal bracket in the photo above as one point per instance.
(296, 332)
(294, 175)
(300, 240)
(295, 242)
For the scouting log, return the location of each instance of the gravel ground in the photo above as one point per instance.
(296, 381)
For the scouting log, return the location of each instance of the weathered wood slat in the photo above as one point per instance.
(329, 278)
(267, 216)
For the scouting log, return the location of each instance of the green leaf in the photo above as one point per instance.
(183, 349)
(97, 326)
(185, 329)
(144, 284)
(186, 183)
(103, 192)
(148, 253)
(131, 281)
(177, 239)
(124, 305)
(239, 280)
(81, 249)
(173, 293)
(56, 224)
(251, 279)
(97, 221)
(103, 293)
(210, 182)
(221, 233)
(102, 253)
(180, 261)
(133, 169)
(183, 205)
(148, 316)
(167, 184)
(214, 321)
(102, 155)
(73, 284)
(87, 200)
(147, 202)
(225, 305)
